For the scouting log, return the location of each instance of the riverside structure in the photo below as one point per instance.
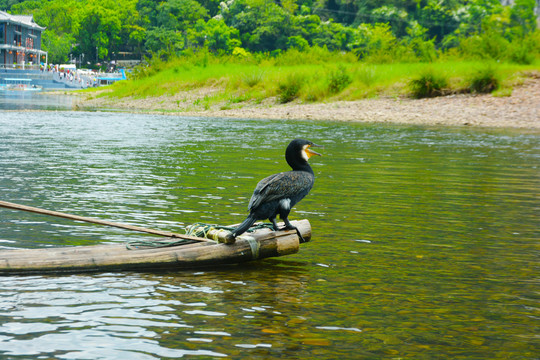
(20, 42)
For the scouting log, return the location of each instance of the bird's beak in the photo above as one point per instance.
(310, 152)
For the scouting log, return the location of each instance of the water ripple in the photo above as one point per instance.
(425, 240)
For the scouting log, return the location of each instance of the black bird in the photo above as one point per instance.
(278, 193)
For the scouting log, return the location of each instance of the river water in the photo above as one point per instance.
(425, 240)
(34, 100)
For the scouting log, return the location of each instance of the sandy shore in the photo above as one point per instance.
(520, 110)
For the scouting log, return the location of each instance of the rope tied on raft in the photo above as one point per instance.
(203, 230)
(197, 229)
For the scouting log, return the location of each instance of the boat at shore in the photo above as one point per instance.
(172, 253)
(19, 85)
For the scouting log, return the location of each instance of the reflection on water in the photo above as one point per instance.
(425, 240)
(167, 315)
(32, 100)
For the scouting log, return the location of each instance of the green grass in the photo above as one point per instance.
(317, 75)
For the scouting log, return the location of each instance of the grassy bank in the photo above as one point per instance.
(314, 76)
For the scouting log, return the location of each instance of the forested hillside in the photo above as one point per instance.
(380, 31)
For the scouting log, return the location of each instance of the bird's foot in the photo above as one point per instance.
(291, 227)
(230, 239)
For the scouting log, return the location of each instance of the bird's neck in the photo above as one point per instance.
(301, 166)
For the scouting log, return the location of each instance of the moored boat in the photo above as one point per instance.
(178, 254)
(19, 85)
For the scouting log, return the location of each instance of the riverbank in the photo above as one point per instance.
(521, 109)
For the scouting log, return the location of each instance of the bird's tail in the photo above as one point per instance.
(244, 226)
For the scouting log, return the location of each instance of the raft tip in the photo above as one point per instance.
(229, 239)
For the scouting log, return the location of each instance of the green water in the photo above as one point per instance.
(425, 240)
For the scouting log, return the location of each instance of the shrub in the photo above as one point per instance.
(240, 52)
(253, 78)
(338, 80)
(316, 91)
(290, 89)
(524, 51)
(375, 43)
(417, 41)
(313, 55)
(484, 80)
(489, 45)
(367, 75)
(297, 42)
(429, 84)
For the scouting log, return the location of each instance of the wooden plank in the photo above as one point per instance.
(258, 245)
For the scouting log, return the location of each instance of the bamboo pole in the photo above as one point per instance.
(13, 206)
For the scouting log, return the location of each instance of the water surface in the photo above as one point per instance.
(425, 240)
(35, 100)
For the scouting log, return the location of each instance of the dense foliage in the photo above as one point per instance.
(377, 31)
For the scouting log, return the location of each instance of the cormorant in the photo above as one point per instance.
(278, 193)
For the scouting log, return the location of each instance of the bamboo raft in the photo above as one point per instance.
(262, 243)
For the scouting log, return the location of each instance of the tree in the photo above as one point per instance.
(522, 15)
(263, 25)
(439, 18)
(99, 31)
(7, 4)
(180, 14)
(108, 27)
(148, 12)
(376, 42)
(371, 28)
(471, 15)
(58, 47)
(272, 30)
(397, 18)
(215, 35)
(289, 6)
(306, 26)
(162, 41)
(333, 36)
(61, 22)
(297, 42)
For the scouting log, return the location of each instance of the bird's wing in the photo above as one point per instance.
(280, 186)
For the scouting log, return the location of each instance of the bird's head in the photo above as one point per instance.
(300, 150)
